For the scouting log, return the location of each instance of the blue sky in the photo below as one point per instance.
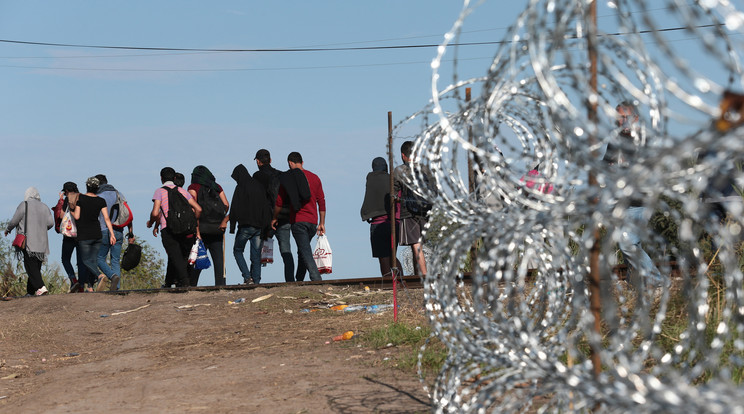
(69, 112)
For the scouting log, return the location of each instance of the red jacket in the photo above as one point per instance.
(308, 213)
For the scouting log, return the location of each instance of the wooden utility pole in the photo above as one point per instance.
(594, 279)
(393, 266)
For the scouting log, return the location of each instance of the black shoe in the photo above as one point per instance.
(75, 287)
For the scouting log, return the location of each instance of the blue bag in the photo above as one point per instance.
(202, 260)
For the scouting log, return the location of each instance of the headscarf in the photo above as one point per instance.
(379, 164)
(202, 176)
(32, 193)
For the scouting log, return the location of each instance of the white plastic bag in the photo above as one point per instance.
(323, 255)
(67, 227)
(267, 252)
(194, 252)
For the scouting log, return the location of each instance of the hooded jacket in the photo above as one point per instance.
(250, 206)
(377, 194)
(35, 226)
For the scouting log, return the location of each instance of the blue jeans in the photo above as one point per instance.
(106, 247)
(303, 232)
(89, 253)
(633, 253)
(285, 249)
(252, 234)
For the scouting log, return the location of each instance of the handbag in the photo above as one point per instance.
(20, 239)
(131, 257)
(67, 227)
(323, 255)
(202, 260)
(267, 252)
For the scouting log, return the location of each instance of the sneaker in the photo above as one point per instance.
(114, 283)
(42, 291)
(101, 285)
(75, 287)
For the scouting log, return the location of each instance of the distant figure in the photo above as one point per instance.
(212, 222)
(87, 210)
(621, 154)
(413, 209)
(177, 246)
(303, 192)
(67, 200)
(376, 210)
(33, 219)
(250, 210)
(112, 271)
(268, 176)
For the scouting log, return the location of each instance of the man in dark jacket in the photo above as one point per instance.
(250, 210)
(268, 176)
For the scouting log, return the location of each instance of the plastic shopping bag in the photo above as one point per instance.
(194, 252)
(267, 252)
(323, 255)
(202, 260)
(67, 227)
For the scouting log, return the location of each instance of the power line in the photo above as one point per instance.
(312, 49)
(300, 67)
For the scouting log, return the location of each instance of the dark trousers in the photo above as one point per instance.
(303, 233)
(213, 243)
(69, 245)
(33, 270)
(177, 249)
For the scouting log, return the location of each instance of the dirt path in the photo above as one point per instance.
(195, 352)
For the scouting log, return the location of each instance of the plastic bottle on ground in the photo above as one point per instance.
(344, 337)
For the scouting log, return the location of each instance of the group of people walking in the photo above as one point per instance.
(411, 211)
(270, 203)
(85, 222)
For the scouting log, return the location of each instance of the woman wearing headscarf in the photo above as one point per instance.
(33, 219)
(376, 211)
(67, 201)
(86, 213)
(212, 222)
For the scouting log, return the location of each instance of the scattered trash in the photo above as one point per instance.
(327, 342)
(193, 306)
(71, 354)
(105, 315)
(11, 376)
(131, 310)
(2, 397)
(368, 309)
(378, 308)
(309, 310)
(344, 337)
(236, 301)
(43, 359)
(339, 307)
(264, 297)
(366, 288)
(211, 367)
(287, 310)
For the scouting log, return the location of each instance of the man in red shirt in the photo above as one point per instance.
(303, 191)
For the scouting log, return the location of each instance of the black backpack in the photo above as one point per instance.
(213, 210)
(180, 219)
(414, 203)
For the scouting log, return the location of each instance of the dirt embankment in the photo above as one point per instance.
(196, 352)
